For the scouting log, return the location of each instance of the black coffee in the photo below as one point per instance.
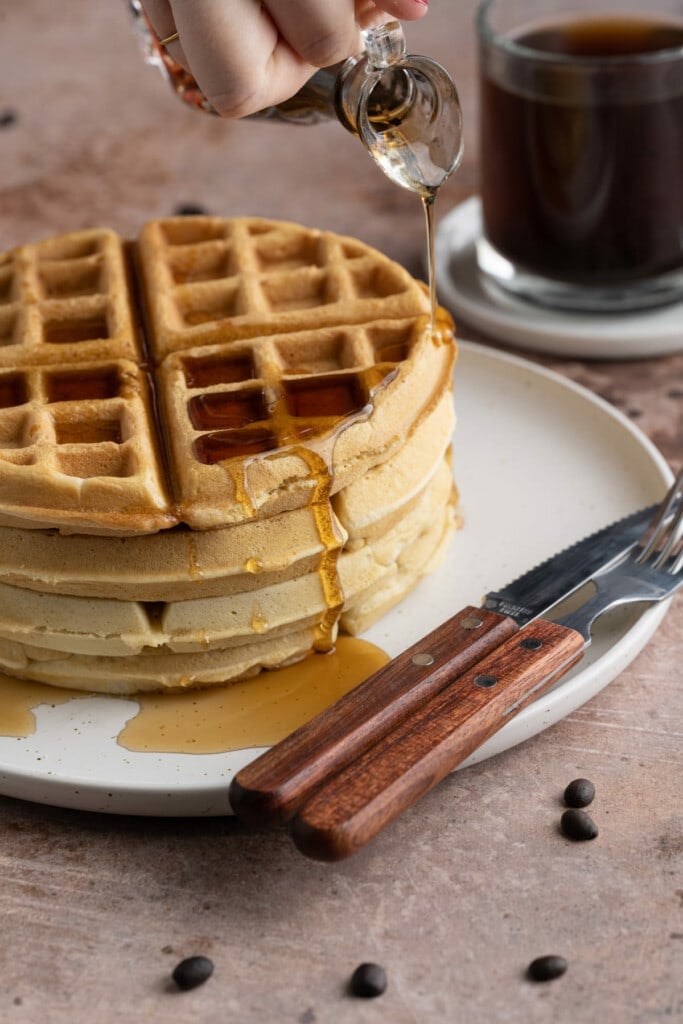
(582, 179)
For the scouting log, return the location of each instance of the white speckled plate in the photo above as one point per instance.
(654, 332)
(539, 462)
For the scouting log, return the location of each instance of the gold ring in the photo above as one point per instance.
(168, 39)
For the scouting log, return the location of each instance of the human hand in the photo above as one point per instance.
(246, 55)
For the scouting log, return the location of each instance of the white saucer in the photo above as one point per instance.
(656, 332)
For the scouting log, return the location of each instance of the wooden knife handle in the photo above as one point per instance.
(356, 804)
(271, 789)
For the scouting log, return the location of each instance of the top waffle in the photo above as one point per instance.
(272, 363)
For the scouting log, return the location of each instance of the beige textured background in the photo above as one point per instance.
(465, 890)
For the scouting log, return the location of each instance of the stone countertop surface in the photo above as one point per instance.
(475, 881)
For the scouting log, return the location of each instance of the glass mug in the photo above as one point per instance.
(582, 152)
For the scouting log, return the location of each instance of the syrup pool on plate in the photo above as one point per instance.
(254, 713)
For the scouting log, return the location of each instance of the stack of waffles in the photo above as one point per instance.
(218, 445)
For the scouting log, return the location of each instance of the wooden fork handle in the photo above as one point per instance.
(271, 789)
(356, 804)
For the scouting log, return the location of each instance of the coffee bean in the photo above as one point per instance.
(579, 793)
(578, 825)
(368, 981)
(545, 968)
(192, 971)
(190, 210)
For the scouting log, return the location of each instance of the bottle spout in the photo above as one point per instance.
(405, 110)
(384, 45)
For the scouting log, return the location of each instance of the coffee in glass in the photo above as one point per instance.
(582, 152)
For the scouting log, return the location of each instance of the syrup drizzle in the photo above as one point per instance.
(328, 533)
(356, 395)
(194, 567)
(428, 200)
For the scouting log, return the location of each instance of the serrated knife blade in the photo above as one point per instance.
(271, 789)
(546, 584)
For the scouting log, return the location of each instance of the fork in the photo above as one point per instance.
(651, 571)
(361, 800)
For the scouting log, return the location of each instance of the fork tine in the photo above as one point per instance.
(676, 567)
(672, 544)
(676, 555)
(658, 528)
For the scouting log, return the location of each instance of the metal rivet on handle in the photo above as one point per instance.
(485, 681)
(531, 643)
(472, 622)
(422, 659)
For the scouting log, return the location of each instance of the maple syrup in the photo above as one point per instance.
(194, 569)
(18, 698)
(400, 156)
(224, 445)
(325, 524)
(255, 713)
(319, 407)
(319, 398)
(428, 206)
(227, 409)
(82, 385)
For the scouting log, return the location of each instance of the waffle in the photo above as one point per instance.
(67, 300)
(181, 564)
(211, 280)
(80, 439)
(85, 625)
(273, 359)
(212, 640)
(218, 445)
(340, 404)
(164, 671)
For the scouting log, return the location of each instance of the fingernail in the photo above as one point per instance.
(422, 3)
